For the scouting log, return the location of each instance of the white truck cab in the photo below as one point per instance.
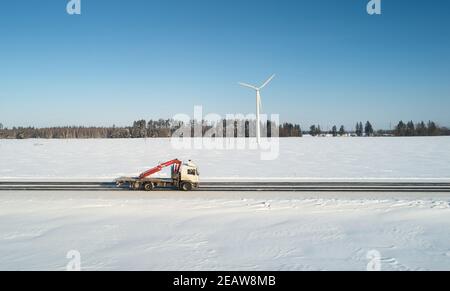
(189, 173)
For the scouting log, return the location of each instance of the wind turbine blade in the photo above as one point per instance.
(267, 82)
(249, 86)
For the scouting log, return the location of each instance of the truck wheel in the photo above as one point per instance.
(137, 186)
(186, 186)
(149, 187)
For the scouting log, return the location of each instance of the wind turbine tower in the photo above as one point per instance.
(258, 105)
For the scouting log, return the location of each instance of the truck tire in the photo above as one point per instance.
(186, 186)
(137, 186)
(149, 186)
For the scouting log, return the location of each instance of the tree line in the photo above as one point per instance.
(164, 128)
(420, 129)
(161, 128)
(402, 129)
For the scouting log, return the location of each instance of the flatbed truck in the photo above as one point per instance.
(184, 177)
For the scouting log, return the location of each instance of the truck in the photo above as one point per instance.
(184, 177)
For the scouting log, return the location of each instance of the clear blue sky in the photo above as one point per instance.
(124, 60)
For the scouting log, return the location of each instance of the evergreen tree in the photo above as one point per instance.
(334, 131)
(432, 129)
(313, 130)
(421, 129)
(410, 129)
(368, 129)
(342, 130)
(400, 129)
(139, 129)
(359, 129)
(318, 130)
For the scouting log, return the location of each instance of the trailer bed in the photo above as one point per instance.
(149, 184)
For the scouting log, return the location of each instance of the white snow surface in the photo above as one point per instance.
(230, 230)
(223, 231)
(299, 159)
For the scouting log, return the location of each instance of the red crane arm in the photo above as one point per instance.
(160, 167)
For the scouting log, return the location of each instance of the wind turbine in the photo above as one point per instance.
(258, 104)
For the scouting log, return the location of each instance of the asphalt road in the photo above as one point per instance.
(242, 186)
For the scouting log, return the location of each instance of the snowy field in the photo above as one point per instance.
(226, 231)
(299, 159)
(222, 231)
